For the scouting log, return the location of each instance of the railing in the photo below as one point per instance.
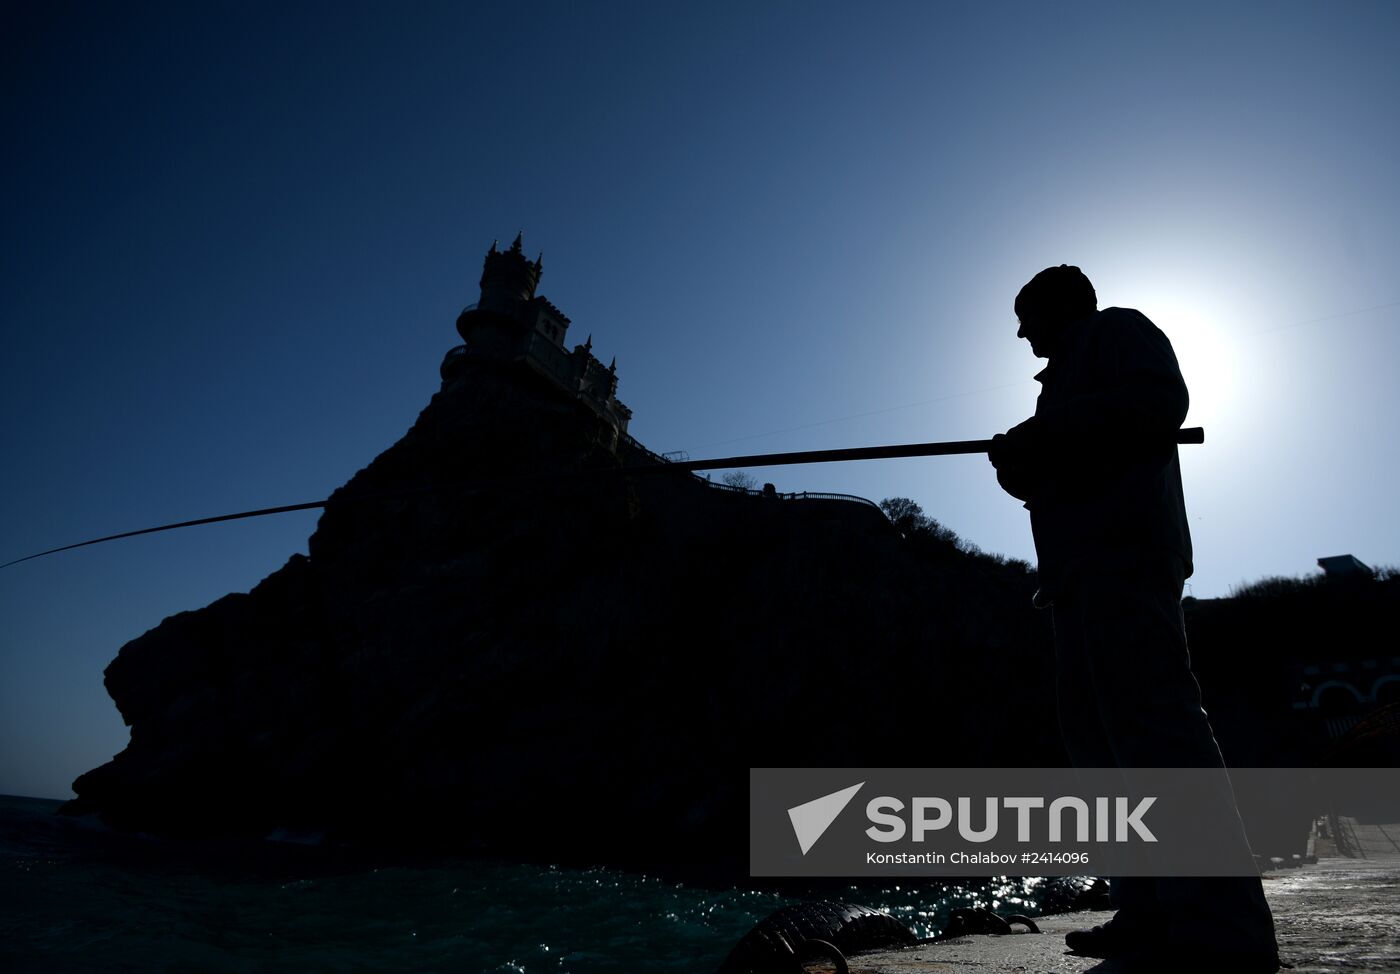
(1344, 835)
(636, 444)
(812, 495)
(806, 495)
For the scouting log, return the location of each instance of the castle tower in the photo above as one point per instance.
(508, 279)
(510, 323)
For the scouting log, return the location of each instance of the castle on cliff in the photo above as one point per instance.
(510, 323)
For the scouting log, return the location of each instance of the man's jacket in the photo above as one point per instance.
(1106, 490)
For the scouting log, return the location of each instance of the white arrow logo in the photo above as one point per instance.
(811, 819)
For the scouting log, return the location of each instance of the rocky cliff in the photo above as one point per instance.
(499, 644)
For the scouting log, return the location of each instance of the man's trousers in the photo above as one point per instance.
(1128, 699)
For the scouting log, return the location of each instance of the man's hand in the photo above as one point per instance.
(1019, 456)
(1022, 447)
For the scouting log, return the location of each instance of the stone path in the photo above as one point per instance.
(1340, 915)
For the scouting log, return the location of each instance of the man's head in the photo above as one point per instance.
(1054, 298)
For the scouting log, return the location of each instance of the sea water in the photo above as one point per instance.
(75, 896)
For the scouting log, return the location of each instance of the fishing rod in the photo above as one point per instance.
(1192, 434)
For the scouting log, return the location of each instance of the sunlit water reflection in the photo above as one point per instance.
(75, 897)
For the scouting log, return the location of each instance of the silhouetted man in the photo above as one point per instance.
(1097, 467)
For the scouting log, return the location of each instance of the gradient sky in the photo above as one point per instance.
(236, 239)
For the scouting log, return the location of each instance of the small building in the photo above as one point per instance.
(1344, 566)
(513, 324)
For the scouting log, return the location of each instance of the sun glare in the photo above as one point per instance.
(1209, 359)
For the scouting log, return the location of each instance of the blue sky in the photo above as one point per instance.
(236, 240)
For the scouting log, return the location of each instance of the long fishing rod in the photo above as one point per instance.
(1193, 434)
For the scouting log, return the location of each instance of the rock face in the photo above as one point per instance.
(500, 645)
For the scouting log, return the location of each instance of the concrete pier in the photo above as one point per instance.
(1338, 915)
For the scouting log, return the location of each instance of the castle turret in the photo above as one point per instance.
(508, 280)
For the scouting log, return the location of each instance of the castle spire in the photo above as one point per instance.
(539, 262)
(508, 279)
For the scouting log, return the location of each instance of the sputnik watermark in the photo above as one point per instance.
(811, 819)
(1041, 821)
(889, 826)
